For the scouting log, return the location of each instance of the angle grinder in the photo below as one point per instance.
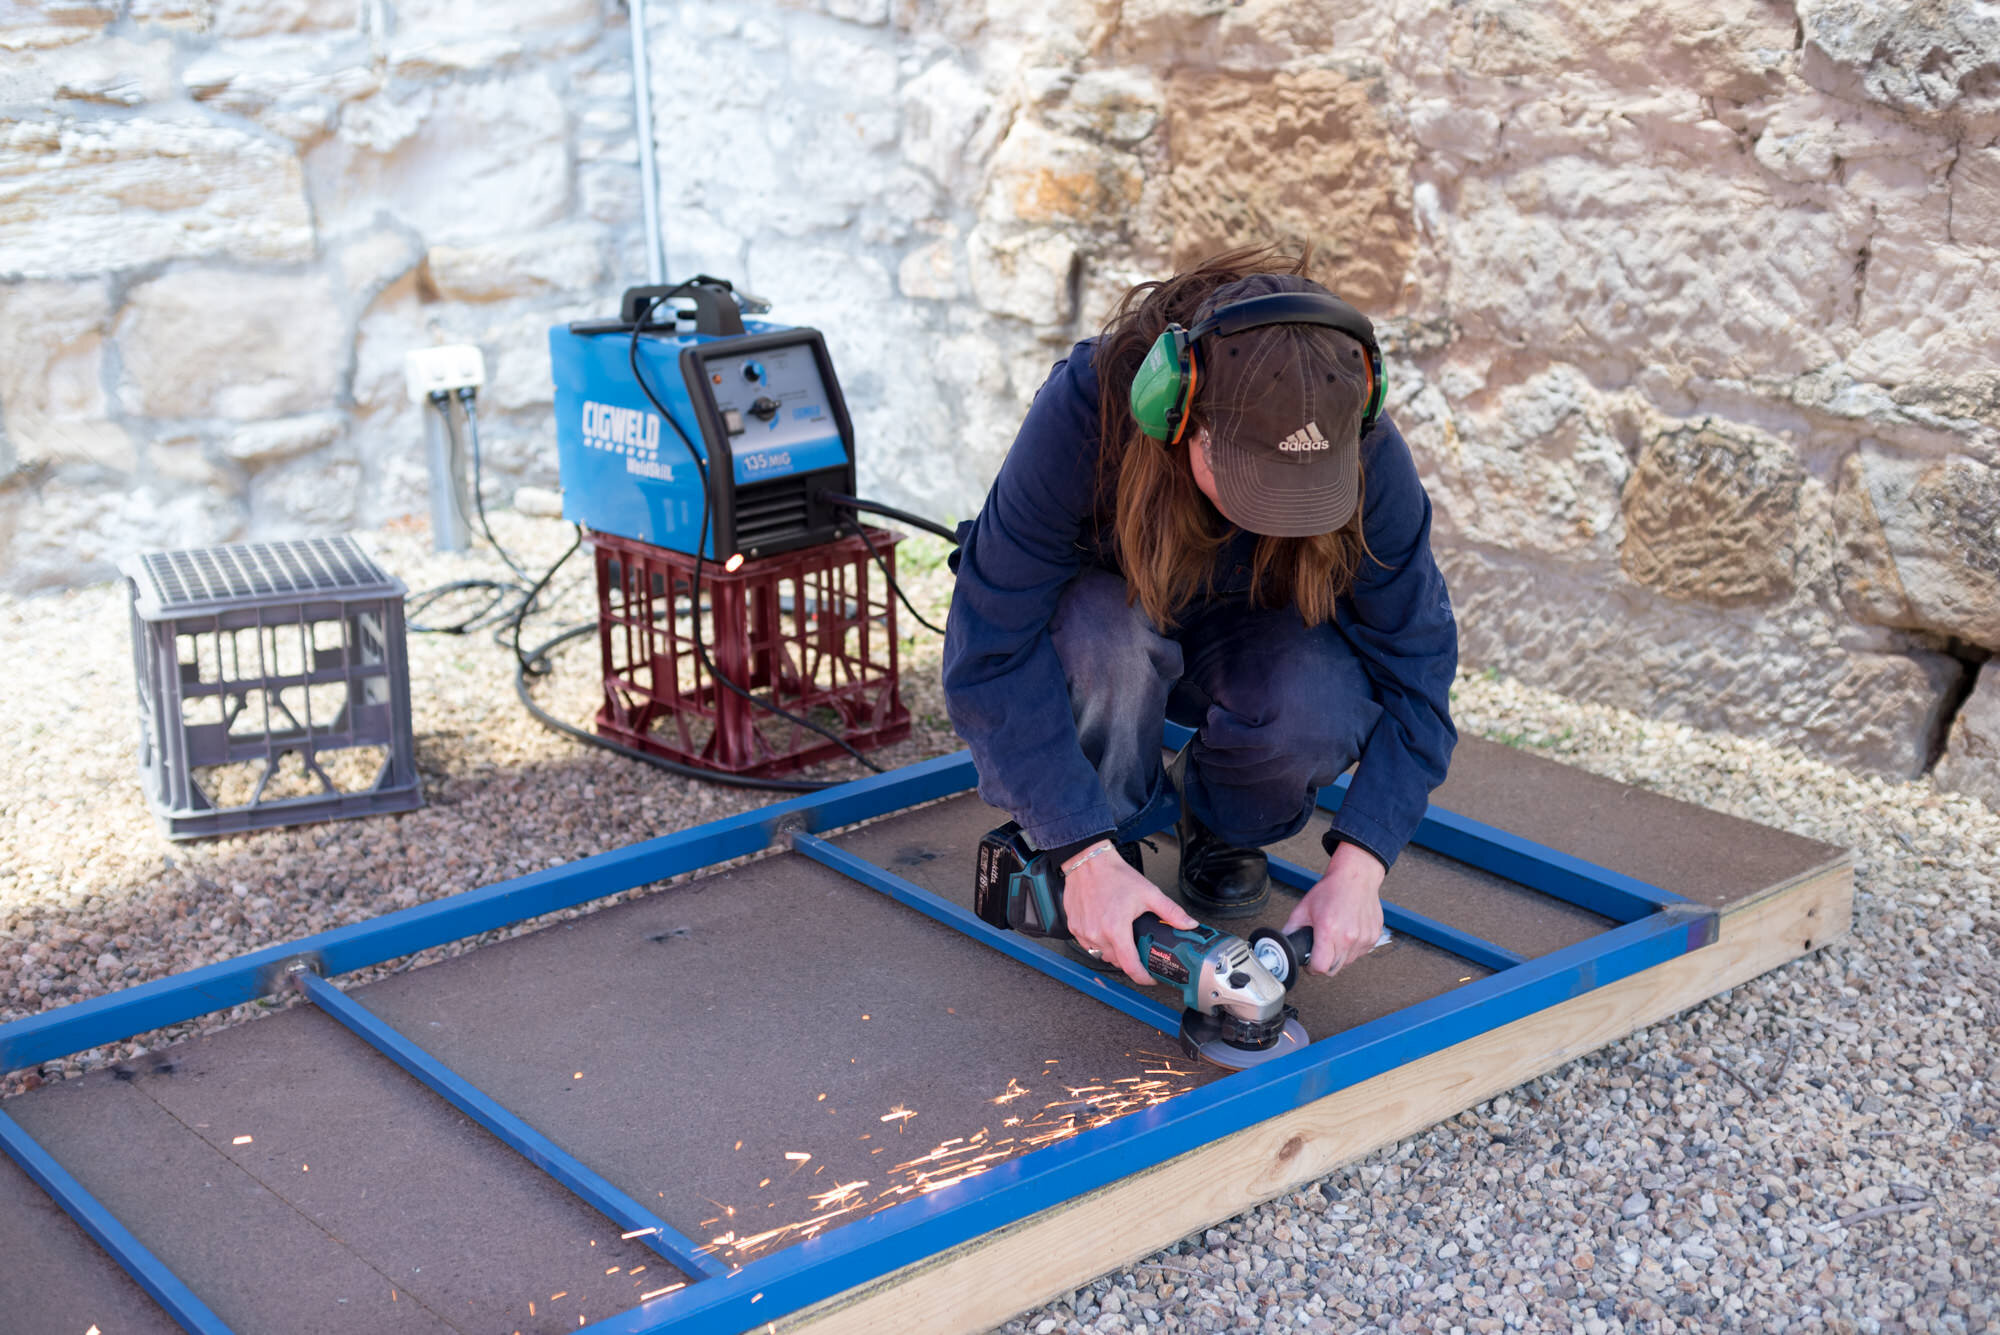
(1234, 1012)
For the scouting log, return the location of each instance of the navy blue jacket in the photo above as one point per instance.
(1004, 685)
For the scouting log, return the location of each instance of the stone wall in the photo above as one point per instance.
(1691, 308)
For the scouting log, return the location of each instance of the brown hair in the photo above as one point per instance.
(1167, 532)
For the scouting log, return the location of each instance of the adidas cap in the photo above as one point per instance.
(1283, 404)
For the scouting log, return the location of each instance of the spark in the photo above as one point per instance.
(563, 1294)
(897, 1114)
(648, 1297)
(241, 1140)
(635, 1270)
(739, 1144)
(614, 1270)
(839, 1192)
(1015, 1089)
(637, 1233)
(765, 1183)
(577, 1076)
(797, 1156)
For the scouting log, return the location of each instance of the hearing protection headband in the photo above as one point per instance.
(1164, 387)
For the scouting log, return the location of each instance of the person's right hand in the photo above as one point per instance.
(1102, 898)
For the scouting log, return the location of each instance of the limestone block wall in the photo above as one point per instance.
(1691, 307)
(223, 222)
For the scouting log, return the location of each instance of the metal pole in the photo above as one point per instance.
(649, 173)
(449, 531)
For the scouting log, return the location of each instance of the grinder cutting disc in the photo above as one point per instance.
(1221, 1040)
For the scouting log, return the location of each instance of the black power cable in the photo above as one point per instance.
(862, 533)
(497, 612)
(876, 508)
(539, 655)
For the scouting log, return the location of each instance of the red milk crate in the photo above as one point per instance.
(812, 631)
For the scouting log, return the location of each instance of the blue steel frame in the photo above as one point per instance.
(1655, 926)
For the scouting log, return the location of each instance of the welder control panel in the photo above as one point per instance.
(772, 403)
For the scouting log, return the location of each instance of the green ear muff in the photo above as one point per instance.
(1160, 389)
(1163, 390)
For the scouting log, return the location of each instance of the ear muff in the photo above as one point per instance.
(1377, 388)
(1163, 389)
(1164, 385)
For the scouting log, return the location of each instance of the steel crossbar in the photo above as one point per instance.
(1012, 944)
(1655, 926)
(1473, 949)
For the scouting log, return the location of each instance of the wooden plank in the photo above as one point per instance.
(981, 1284)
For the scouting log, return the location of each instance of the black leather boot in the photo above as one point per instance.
(1217, 879)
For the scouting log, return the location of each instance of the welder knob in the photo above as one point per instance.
(753, 371)
(765, 408)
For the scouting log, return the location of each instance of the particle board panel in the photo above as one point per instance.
(1712, 858)
(255, 1258)
(684, 1044)
(986, 1281)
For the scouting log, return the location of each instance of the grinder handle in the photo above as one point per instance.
(1283, 953)
(1153, 925)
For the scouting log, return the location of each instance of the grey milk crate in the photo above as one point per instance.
(274, 685)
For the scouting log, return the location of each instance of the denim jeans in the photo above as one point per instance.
(1279, 709)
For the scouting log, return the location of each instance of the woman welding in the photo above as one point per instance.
(1206, 506)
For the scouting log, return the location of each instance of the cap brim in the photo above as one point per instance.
(1283, 496)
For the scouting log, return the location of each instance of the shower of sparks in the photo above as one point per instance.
(1070, 1109)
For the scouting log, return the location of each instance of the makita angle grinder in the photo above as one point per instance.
(1232, 990)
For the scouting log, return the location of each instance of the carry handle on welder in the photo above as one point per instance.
(715, 309)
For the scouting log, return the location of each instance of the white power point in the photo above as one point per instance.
(427, 370)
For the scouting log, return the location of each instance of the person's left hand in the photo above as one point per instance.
(1344, 908)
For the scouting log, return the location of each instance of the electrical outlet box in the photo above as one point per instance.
(428, 370)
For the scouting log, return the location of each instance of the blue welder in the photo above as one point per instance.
(758, 401)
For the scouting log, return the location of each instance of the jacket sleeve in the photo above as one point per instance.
(1398, 618)
(1004, 686)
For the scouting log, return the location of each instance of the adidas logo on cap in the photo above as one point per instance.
(1307, 437)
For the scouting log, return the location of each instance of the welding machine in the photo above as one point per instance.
(758, 401)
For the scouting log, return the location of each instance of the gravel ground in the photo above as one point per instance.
(1816, 1149)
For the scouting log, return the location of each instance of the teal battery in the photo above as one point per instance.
(763, 408)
